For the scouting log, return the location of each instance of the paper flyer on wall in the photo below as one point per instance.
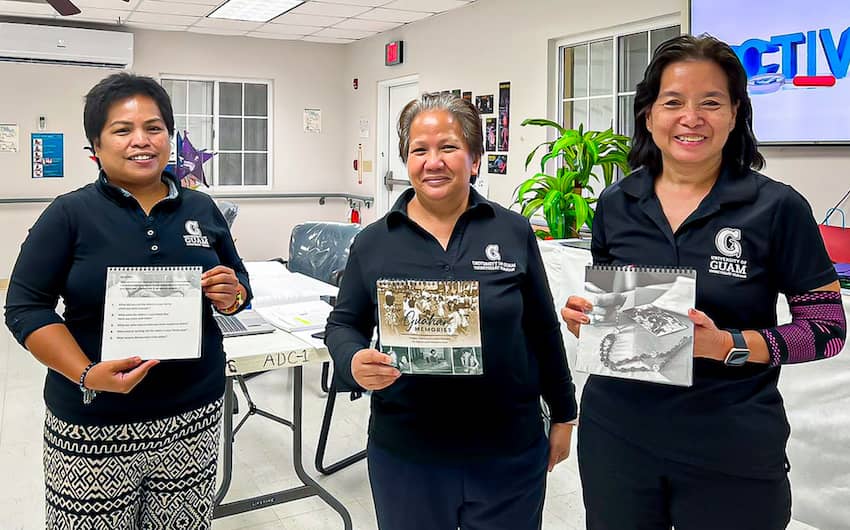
(639, 326)
(431, 327)
(152, 313)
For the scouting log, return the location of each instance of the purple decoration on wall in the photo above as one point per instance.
(190, 169)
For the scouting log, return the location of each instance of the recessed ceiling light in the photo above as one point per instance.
(254, 10)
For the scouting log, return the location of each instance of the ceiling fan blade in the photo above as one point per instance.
(64, 7)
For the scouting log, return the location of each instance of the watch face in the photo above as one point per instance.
(737, 357)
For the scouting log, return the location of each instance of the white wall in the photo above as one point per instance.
(304, 75)
(476, 47)
(473, 48)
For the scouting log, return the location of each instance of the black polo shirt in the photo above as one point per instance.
(67, 253)
(750, 239)
(442, 418)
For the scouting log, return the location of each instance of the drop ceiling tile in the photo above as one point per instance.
(278, 36)
(21, 8)
(288, 29)
(432, 6)
(103, 14)
(343, 33)
(370, 3)
(366, 25)
(162, 18)
(218, 31)
(328, 40)
(328, 9)
(226, 24)
(176, 8)
(393, 15)
(307, 20)
(106, 4)
(156, 27)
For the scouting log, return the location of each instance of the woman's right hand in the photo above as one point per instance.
(575, 312)
(119, 376)
(373, 370)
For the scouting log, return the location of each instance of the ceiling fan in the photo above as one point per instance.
(65, 7)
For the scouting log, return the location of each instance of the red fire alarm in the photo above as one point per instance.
(394, 53)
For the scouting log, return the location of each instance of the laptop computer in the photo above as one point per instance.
(248, 322)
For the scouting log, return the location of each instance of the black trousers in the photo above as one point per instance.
(627, 488)
(497, 494)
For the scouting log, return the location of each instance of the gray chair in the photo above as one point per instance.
(320, 250)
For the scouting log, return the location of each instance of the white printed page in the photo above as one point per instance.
(152, 312)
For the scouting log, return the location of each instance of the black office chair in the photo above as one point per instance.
(320, 250)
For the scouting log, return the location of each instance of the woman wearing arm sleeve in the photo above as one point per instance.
(713, 455)
(128, 443)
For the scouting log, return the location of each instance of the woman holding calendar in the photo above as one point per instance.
(712, 455)
(128, 443)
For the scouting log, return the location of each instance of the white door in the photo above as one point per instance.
(392, 179)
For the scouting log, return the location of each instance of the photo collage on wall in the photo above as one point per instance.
(495, 126)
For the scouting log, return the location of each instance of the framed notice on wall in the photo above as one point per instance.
(48, 154)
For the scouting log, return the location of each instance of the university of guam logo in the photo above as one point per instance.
(492, 253)
(729, 263)
(194, 237)
(193, 228)
(728, 242)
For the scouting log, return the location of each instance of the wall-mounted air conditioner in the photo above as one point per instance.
(58, 45)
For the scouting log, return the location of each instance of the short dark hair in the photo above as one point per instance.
(463, 111)
(741, 150)
(115, 88)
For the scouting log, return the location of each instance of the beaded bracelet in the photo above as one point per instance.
(88, 394)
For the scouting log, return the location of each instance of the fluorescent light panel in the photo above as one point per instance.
(254, 10)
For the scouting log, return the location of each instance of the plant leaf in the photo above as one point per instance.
(531, 155)
(543, 123)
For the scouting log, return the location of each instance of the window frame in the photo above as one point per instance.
(216, 117)
(614, 34)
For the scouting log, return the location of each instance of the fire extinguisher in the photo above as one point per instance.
(354, 214)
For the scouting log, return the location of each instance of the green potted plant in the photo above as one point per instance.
(578, 155)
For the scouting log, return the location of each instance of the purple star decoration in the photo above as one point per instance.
(190, 169)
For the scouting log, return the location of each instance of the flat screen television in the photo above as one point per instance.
(797, 57)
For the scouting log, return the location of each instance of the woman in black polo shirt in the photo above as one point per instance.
(711, 456)
(137, 447)
(466, 450)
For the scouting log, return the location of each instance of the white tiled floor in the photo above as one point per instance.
(262, 460)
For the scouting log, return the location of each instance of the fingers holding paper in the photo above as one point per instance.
(119, 376)
(373, 370)
(220, 285)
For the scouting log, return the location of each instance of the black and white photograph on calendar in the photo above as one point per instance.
(434, 361)
(639, 326)
(427, 320)
(400, 358)
(468, 361)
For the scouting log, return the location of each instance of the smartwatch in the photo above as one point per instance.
(739, 353)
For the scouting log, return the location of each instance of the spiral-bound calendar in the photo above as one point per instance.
(639, 326)
(152, 312)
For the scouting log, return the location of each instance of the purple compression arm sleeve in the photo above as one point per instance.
(817, 329)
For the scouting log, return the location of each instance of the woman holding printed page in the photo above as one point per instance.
(128, 443)
(712, 455)
(454, 441)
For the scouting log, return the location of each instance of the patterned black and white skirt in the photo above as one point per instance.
(157, 474)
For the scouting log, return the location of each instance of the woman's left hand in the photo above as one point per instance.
(220, 285)
(560, 438)
(709, 341)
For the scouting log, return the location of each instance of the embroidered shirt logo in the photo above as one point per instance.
(194, 237)
(728, 243)
(495, 263)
